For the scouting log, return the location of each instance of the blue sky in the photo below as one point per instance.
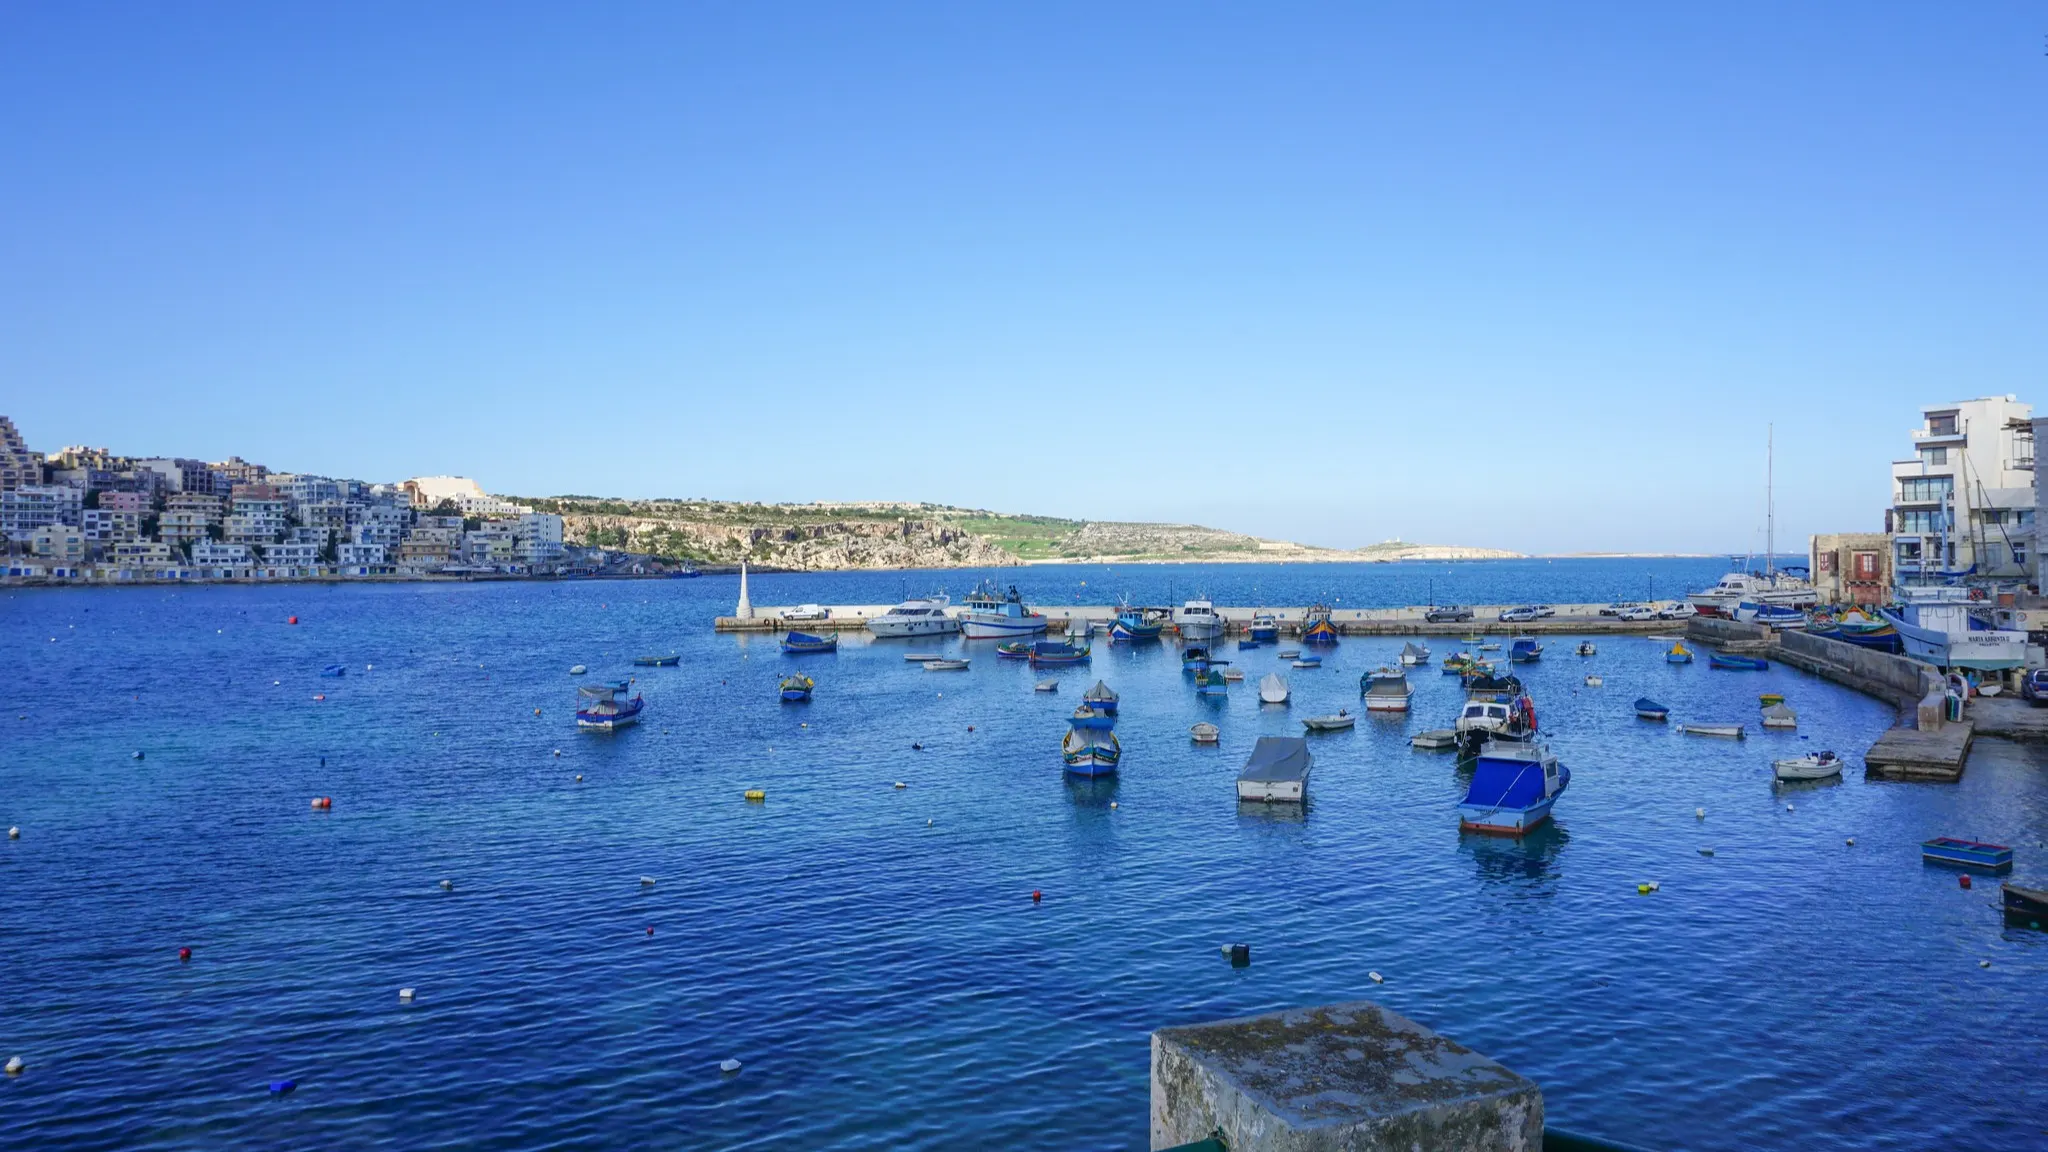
(1532, 276)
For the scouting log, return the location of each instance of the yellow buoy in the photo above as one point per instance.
(756, 794)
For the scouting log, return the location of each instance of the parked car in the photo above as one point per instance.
(2035, 686)
(1636, 612)
(1518, 615)
(1447, 614)
(1678, 611)
(1617, 608)
(1544, 610)
(807, 612)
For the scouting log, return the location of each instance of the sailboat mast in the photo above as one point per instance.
(1770, 504)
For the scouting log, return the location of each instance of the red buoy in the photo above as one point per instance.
(323, 802)
(650, 929)
(1035, 897)
(185, 954)
(1963, 881)
(292, 620)
(970, 727)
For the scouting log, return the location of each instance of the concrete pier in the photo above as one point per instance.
(1349, 1077)
(1920, 754)
(1404, 621)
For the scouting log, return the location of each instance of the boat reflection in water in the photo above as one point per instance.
(1530, 858)
(1091, 793)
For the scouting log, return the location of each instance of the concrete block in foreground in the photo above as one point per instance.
(1338, 1078)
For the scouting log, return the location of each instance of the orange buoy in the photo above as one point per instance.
(1035, 896)
(319, 695)
(292, 620)
(185, 954)
(1964, 881)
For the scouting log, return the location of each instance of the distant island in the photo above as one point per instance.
(829, 536)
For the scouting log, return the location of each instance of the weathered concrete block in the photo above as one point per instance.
(1338, 1078)
(1932, 712)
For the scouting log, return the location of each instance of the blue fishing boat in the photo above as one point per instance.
(1265, 628)
(1514, 785)
(1210, 682)
(1525, 650)
(1101, 698)
(1649, 709)
(1316, 626)
(1194, 658)
(1090, 753)
(666, 661)
(1737, 663)
(603, 711)
(1089, 718)
(334, 670)
(1679, 654)
(1769, 615)
(797, 687)
(798, 643)
(1133, 624)
(1966, 854)
(1247, 645)
(1056, 652)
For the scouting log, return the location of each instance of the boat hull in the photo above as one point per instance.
(1989, 649)
(1793, 770)
(1201, 629)
(1005, 629)
(1265, 634)
(897, 627)
(2025, 901)
(1493, 821)
(1967, 854)
(1128, 633)
(1091, 766)
(793, 695)
(1385, 703)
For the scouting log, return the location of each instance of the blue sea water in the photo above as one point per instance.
(871, 953)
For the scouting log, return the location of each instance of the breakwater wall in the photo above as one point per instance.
(1894, 679)
(1411, 620)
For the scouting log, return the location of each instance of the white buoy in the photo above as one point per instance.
(1851, 841)
(729, 1066)
(1699, 813)
(14, 833)
(1980, 964)
(1706, 851)
(15, 1064)
(1788, 808)
(447, 885)
(558, 751)
(1112, 804)
(369, 667)
(274, 683)
(1652, 885)
(647, 881)
(1225, 949)
(901, 784)
(579, 777)
(927, 823)
(405, 995)
(1376, 977)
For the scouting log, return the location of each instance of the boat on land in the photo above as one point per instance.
(1101, 698)
(1338, 721)
(1198, 620)
(1385, 690)
(1265, 627)
(1316, 627)
(1309, 662)
(797, 687)
(1854, 627)
(1815, 766)
(922, 616)
(988, 614)
(1086, 717)
(945, 665)
(1649, 709)
(1679, 654)
(1586, 648)
(1737, 588)
(1277, 771)
(603, 711)
(1211, 682)
(657, 661)
(1053, 653)
(1779, 716)
(1135, 624)
(1088, 753)
(1781, 616)
(1046, 686)
(1273, 689)
(1413, 655)
(1204, 733)
(1966, 854)
(1949, 627)
(1525, 650)
(1013, 650)
(1737, 663)
(1725, 731)
(800, 643)
(1514, 786)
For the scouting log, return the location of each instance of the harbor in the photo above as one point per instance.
(1410, 620)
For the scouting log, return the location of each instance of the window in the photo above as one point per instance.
(1909, 551)
(1908, 523)
(2019, 553)
(1925, 489)
(1866, 565)
(1942, 425)
(1934, 455)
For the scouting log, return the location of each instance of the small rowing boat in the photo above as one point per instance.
(1728, 731)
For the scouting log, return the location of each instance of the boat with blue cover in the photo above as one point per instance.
(1265, 628)
(1135, 624)
(1316, 627)
(1966, 854)
(603, 711)
(797, 687)
(1101, 698)
(1678, 654)
(1649, 709)
(1088, 753)
(1056, 652)
(1737, 663)
(799, 643)
(1525, 650)
(1514, 785)
(1247, 645)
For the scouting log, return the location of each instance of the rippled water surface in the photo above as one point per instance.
(872, 953)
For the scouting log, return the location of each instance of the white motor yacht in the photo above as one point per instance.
(924, 616)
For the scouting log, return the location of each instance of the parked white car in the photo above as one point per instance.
(1635, 612)
(807, 612)
(1678, 611)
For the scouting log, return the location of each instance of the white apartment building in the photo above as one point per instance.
(108, 524)
(58, 543)
(257, 518)
(1964, 503)
(215, 554)
(537, 538)
(289, 560)
(18, 465)
(31, 506)
(490, 544)
(383, 533)
(360, 555)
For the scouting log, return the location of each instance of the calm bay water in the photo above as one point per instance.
(888, 981)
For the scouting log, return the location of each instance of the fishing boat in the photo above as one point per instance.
(1966, 854)
(1816, 766)
(2024, 902)
(1316, 627)
(1343, 718)
(657, 661)
(1514, 786)
(1726, 731)
(1679, 654)
(1385, 690)
(1737, 663)
(1273, 689)
(1779, 716)
(1086, 717)
(1247, 645)
(1780, 616)
(922, 616)
(1135, 624)
(1211, 683)
(1194, 658)
(1013, 650)
(1586, 648)
(603, 711)
(1525, 650)
(1046, 686)
(1277, 771)
(1265, 627)
(1204, 733)
(799, 643)
(945, 665)
(1100, 698)
(1309, 662)
(1483, 680)
(1413, 655)
(1457, 663)
(1649, 709)
(797, 687)
(1854, 627)
(334, 670)
(1198, 620)
(1090, 753)
(1948, 628)
(1052, 653)
(987, 614)
(1475, 640)
(1492, 720)
(1766, 699)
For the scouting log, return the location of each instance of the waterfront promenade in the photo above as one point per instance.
(1408, 620)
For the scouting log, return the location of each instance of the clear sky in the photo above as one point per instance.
(1531, 275)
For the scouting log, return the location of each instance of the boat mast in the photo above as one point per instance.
(1770, 506)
